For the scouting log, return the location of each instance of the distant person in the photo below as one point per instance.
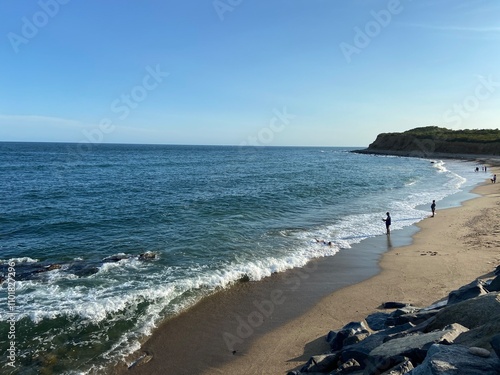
(388, 223)
(494, 179)
(433, 208)
(328, 243)
(477, 169)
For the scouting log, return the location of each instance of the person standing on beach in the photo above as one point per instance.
(388, 223)
(433, 207)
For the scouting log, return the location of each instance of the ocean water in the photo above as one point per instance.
(76, 223)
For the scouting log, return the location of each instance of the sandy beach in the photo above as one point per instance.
(269, 327)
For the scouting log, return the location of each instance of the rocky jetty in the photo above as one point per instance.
(459, 336)
(433, 141)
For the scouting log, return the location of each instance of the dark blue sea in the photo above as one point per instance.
(107, 241)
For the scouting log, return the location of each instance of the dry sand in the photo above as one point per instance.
(268, 327)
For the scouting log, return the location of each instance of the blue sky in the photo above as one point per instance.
(230, 72)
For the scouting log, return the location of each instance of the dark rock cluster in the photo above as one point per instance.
(458, 336)
(80, 268)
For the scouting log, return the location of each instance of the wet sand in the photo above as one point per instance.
(275, 325)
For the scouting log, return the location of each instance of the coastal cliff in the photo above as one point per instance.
(433, 140)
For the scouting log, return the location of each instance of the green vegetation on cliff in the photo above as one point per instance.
(431, 140)
(443, 134)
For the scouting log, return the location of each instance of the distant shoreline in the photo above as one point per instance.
(492, 160)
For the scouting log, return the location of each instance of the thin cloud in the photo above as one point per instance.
(37, 119)
(490, 29)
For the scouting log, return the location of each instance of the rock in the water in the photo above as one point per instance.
(48, 268)
(472, 290)
(116, 258)
(456, 360)
(148, 255)
(471, 313)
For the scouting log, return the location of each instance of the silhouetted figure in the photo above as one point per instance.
(388, 223)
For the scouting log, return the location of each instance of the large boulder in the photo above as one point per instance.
(495, 344)
(361, 350)
(472, 290)
(480, 336)
(336, 338)
(494, 285)
(416, 317)
(400, 369)
(321, 363)
(455, 360)
(377, 320)
(471, 313)
(414, 346)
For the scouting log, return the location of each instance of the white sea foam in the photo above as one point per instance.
(19, 260)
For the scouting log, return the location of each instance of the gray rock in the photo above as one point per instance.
(471, 313)
(336, 338)
(394, 305)
(480, 352)
(361, 350)
(495, 344)
(321, 363)
(455, 360)
(376, 321)
(378, 365)
(400, 369)
(414, 318)
(148, 255)
(494, 285)
(472, 290)
(349, 367)
(144, 358)
(405, 310)
(414, 345)
(354, 339)
(480, 336)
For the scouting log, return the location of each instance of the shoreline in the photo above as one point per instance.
(265, 324)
